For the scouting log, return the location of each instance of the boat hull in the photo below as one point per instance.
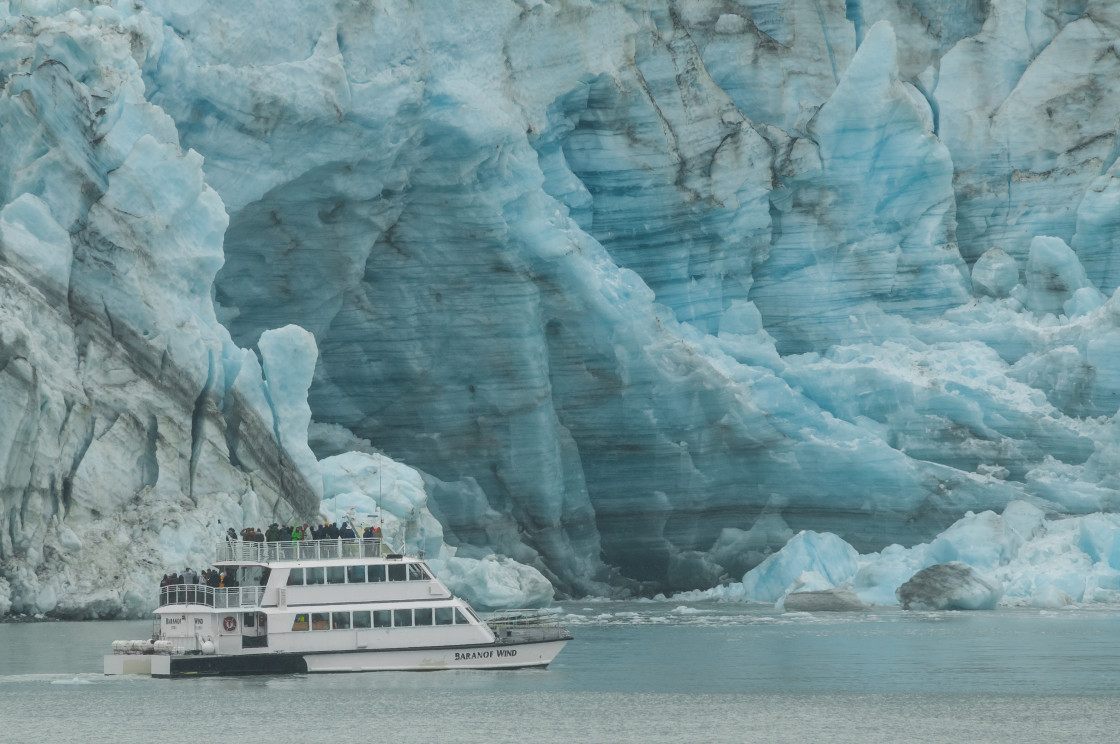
(490, 656)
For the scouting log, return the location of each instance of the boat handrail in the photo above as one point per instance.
(248, 551)
(523, 618)
(210, 596)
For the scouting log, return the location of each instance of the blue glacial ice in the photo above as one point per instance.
(624, 296)
(1016, 558)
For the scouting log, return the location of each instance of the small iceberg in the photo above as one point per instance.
(949, 586)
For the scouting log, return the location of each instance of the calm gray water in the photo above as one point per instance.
(636, 672)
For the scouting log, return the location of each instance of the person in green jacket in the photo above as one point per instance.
(297, 534)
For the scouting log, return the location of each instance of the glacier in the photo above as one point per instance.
(584, 297)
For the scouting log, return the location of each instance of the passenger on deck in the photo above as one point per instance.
(367, 533)
(346, 532)
(258, 536)
(273, 533)
(377, 532)
(297, 534)
(332, 530)
(231, 535)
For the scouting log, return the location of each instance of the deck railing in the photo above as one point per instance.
(248, 551)
(202, 594)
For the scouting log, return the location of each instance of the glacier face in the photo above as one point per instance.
(630, 293)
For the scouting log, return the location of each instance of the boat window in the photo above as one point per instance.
(444, 616)
(300, 623)
(356, 574)
(250, 575)
(376, 573)
(415, 573)
(336, 574)
(424, 616)
(402, 618)
(397, 572)
(340, 620)
(382, 618)
(460, 618)
(320, 621)
(313, 575)
(361, 619)
(248, 619)
(295, 578)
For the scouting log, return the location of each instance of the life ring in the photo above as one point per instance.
(230, 623)
(262, 620)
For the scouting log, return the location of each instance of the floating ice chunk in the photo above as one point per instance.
(949, 586)
(73, 681)
(824, 553)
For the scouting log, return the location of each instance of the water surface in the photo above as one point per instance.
(636, 672)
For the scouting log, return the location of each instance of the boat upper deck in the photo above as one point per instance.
(248, 551)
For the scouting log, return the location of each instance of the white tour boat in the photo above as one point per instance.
(336, 605)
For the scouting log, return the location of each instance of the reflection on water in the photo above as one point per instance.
(638, 671)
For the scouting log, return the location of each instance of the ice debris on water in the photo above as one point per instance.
(1017, 558)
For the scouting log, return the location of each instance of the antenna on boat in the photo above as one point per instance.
(380, 498)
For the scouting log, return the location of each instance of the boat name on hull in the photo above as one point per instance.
(468, 655)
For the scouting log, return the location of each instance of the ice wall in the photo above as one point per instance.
(131, 423)
(641, 290)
